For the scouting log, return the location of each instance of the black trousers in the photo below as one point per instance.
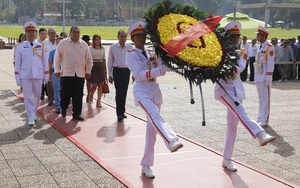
(298, 65)
(44, 90)
(276, 74)
(244, 73)
(121, 80)
(251, 61)
(72, 87)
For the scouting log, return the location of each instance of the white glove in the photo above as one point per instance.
(267, 83)
(18, 80)
(46, 78)
(164, 68)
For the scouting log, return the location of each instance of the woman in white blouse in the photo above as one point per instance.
(99, 73)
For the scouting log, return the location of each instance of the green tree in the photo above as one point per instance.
(211, 7)
(9, 14)
(74, 9)
(29, 8)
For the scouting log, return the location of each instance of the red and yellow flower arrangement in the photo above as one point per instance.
(197, 50)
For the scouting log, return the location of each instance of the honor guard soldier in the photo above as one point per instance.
(234, 92)
(31, 68)
(148, 96)
(264, 68)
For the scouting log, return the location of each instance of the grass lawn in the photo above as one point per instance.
(275, 32)
(110, 33)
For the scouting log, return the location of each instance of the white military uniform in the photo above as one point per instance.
(264, 68)
(148, 96)
(235, 89)
(31, 67)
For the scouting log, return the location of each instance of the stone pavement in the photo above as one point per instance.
(39, 156)
(26, 159)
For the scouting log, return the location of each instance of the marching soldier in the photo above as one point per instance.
(234, 92)
(31, 68)
(148, 96)
(264, 68)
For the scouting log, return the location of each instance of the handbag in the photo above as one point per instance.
(105, 88)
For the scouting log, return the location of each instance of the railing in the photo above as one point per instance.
(8, 44)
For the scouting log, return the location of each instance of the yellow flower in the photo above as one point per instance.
(208, 54)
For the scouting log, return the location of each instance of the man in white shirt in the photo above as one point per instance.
(50, 44)
(251, 54)
(43, 36)
(298, 43)
(276, 73)
(71, 57)
(245, 46)
(119, 73)
(286, 54)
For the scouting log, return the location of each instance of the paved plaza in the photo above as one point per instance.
(42, 157)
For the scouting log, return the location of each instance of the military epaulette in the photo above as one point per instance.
(242, 51)
(131, 50)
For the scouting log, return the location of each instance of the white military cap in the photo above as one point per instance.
(30, 26)
(262, 30)
(138, 27)
(233, 28)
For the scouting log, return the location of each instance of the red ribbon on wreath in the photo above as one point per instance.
(178, 43)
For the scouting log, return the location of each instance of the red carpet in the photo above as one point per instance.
(118, 147)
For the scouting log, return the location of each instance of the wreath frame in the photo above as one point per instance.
(196, 74)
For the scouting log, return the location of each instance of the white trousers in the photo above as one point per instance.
(264, 94)
(234, 115)
(155, 124)
(32, 89)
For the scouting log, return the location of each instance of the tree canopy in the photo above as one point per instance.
(101, 10)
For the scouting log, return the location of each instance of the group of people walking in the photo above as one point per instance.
(70, 64)
(74, 60)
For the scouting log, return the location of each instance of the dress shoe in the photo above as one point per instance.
(227, 164)
(124, 116)
(31, 123)
(120, 118)
(175, 146)
(146, 170)
(264, 138)
(63, 113)
(50, 103)
(78, 117)
(58, 111)
(263, 124)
